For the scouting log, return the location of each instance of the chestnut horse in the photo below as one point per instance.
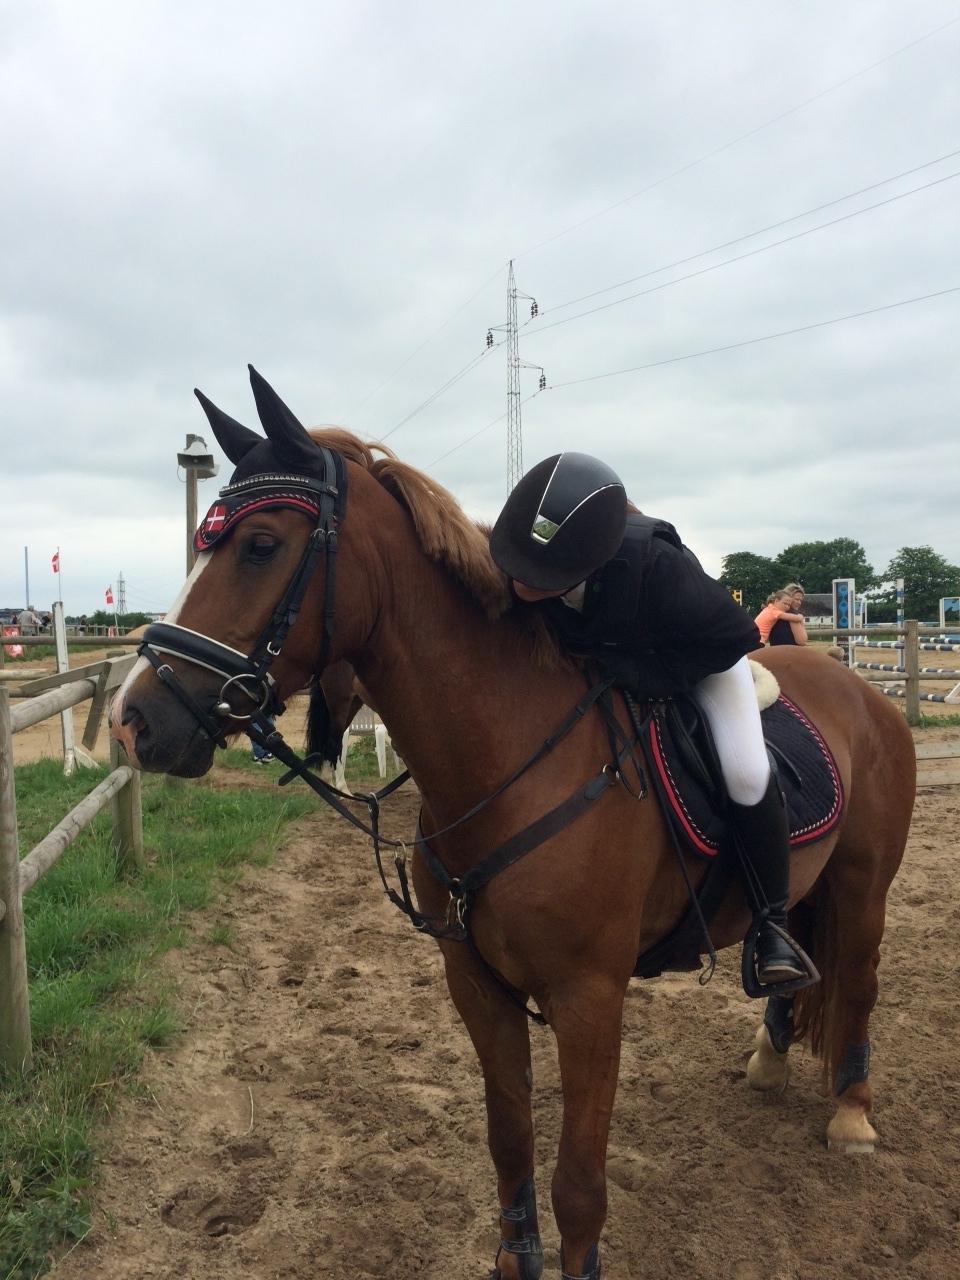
(469, 687)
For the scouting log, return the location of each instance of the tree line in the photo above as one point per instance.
(926, 574)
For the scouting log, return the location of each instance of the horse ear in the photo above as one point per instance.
(234, 438)
(287, 435)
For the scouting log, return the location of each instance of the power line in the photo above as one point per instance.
(426, 342)
(659, 182)
(708, 155)
(694, 355)
(750, 253)
(767, 337)
(492, 423)
(435, 395)
(772, 226)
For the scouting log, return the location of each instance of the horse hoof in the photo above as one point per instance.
(851, 1133)
(767, 1070)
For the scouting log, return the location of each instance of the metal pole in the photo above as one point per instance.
(514, 428)
(66, 716)
(911, 662)
(26, 576)
(15, 1048)
(191, 474)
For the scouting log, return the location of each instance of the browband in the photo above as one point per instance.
(237, 501)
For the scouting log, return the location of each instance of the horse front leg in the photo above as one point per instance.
(498, 1029)
(587, 1025)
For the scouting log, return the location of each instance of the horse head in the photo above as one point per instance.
(270, 554)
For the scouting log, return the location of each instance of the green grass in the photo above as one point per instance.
(361, 768)
(935, 722)
(97, 1000)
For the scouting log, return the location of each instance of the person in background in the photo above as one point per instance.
(260, 754)
(779, 612)
(791, 632)
(29, 622)
(621, 588)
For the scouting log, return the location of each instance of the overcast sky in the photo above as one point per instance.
(332, 191)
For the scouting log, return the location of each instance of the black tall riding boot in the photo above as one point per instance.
(763, 832)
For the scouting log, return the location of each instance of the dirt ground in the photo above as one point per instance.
(323, 1114)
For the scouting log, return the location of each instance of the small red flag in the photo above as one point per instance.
(55, 562)
(108, 595)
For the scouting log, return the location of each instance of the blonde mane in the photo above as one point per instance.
(447, 535)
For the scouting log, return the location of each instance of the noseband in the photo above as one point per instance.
(325, 499)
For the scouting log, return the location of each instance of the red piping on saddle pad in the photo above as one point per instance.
(673, 794)
(805, 835)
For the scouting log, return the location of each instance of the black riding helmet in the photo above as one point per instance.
(564, 519)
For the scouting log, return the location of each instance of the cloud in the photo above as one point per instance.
(333, 191)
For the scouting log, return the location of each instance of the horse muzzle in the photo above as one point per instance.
(160, 736)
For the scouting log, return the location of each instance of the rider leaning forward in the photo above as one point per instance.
(621, 587)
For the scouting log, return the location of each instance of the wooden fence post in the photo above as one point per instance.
(127, 810)
(15, 1046)
(911, 665)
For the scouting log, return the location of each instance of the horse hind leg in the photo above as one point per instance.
(340, 775)
(835, 1016)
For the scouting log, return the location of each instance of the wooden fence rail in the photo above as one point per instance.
(120, 789)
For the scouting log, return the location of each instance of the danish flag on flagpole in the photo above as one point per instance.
(108, 595)
(55, 562)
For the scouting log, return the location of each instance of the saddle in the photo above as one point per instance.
(685, 772)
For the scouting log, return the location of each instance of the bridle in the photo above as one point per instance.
(325, 498)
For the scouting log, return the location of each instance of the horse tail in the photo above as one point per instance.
(816, 1009)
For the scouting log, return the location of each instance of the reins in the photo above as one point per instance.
(461, 890)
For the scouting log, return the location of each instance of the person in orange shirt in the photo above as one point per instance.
(780, 608)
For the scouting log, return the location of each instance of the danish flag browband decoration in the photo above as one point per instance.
(260, 493)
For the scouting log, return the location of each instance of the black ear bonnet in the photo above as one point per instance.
(287, 469)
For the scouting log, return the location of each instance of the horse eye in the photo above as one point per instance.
(261, 549)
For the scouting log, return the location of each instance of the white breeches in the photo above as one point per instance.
(729, 702)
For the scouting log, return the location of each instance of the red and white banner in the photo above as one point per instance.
(108, 595)
(55, 562)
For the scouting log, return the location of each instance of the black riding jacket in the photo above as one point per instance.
(655, 616)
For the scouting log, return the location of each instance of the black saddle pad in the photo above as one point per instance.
(807, 771)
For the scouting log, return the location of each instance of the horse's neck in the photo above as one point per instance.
(455, 689)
